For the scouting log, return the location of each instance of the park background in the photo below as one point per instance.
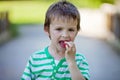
(21, 33)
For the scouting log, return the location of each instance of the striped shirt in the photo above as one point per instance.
(41, 66)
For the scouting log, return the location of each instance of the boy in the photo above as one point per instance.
(59, 61)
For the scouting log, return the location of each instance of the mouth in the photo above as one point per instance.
(63, 44)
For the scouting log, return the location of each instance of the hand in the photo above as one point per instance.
(70, 51)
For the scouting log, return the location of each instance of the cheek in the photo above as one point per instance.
(72, 38)
(73, 35)
(54, 34)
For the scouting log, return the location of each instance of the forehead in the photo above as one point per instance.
(64, 21)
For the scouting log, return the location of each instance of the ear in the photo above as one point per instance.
(46, 29)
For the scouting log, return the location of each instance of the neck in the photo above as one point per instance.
(57, 54)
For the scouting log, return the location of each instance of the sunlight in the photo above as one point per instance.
(94, 23)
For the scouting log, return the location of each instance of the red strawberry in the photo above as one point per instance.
(63, 44)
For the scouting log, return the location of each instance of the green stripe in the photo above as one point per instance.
(78, 60)
(39, 52)
(85, 63)
(39, 65)
(82, 68)
(65, 78)
(27, 74)
(61, 72)
(28, 67)
(64, 66)
(47, 52)
(87, 76)
(43, 76)
(84, 73)
(22, 79)
(46, 70)
(38, 59)
(77, 55)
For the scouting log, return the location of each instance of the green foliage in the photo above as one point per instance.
(24, 12)
(90, 3)
(13, 29)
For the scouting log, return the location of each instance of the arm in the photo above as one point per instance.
(27, 74)
(75, 72)
(70, 58)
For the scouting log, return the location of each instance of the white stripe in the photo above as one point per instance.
(27, 70)
(86, 76)
(84, 66)
(42, 79)
(37, 62)
(26, 77)
(34, 69)
(86, 71)
(39, 56)
(46, 73)
(63, 69)
(64, 63)
(79, 57)
(62, 75)
(78, 62)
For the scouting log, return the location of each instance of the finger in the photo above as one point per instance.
(70, 47)
(73, 49)
(67, 46)
(70, 44)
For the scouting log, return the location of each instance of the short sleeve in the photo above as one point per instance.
(27, 74)
(83, 66)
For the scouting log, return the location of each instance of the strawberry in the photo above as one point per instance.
(63, 44)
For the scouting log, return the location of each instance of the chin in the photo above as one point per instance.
(62, 49)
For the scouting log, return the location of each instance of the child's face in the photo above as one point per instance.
(62, 30)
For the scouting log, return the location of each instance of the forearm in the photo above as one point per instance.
(74, 71)
(70, 58)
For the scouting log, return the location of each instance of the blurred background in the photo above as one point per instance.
(21, 34)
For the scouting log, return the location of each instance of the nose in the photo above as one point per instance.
(65, 34)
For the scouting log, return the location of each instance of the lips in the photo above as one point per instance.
(63, 44)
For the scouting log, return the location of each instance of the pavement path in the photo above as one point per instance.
(103, 59)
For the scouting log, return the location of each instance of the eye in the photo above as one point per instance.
(71, 29)
(58, 29)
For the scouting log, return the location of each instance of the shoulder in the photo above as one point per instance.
(83, 65)
(39, 54)
(81, 59)
(80, 56)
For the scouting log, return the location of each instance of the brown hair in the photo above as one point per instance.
(64, 9)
